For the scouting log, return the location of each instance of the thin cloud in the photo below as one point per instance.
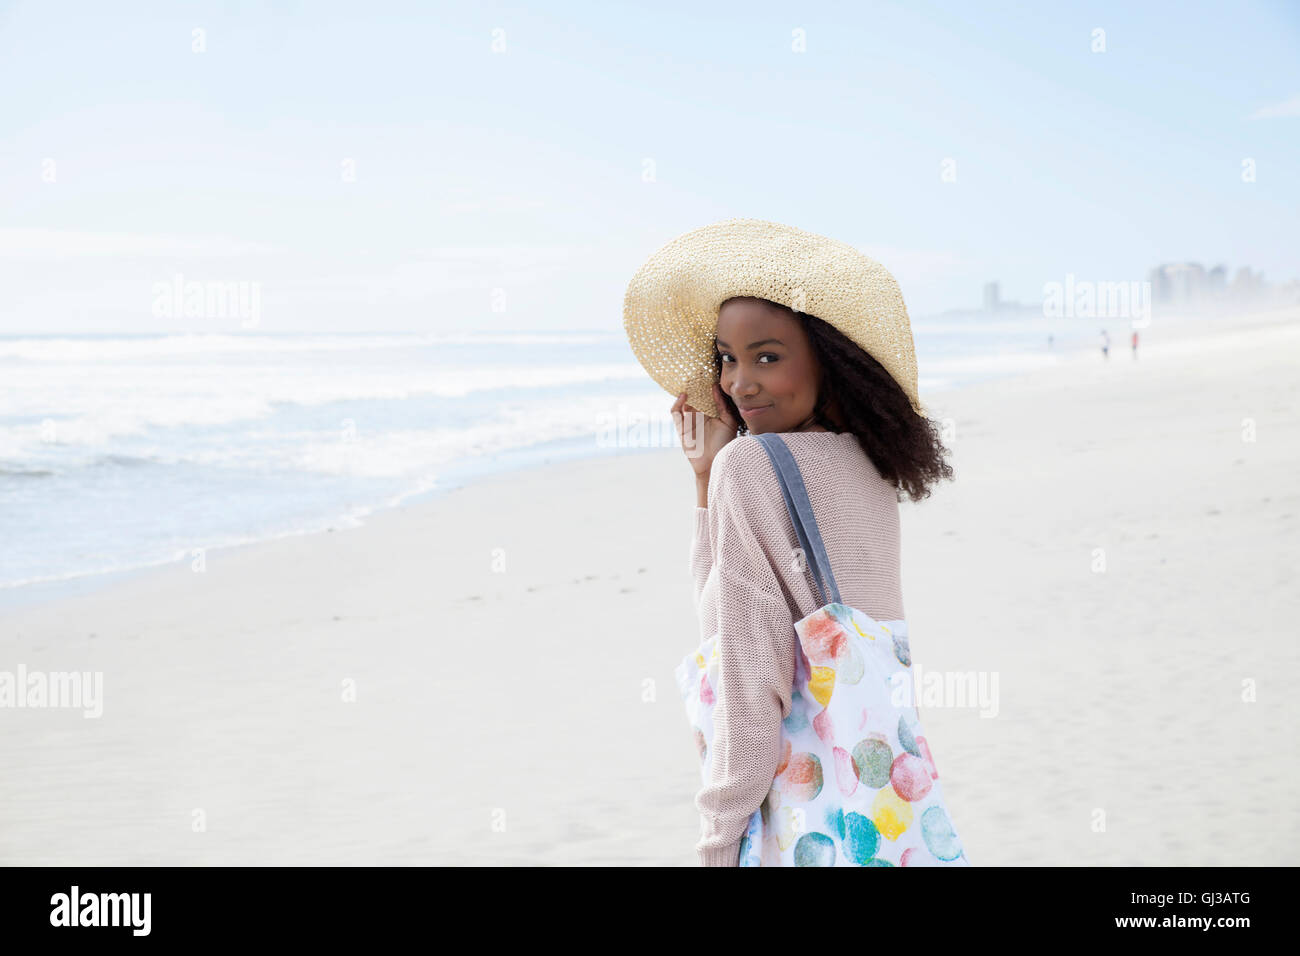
(494, 204)
(61, 244)
(916, 262)
(1288, 107)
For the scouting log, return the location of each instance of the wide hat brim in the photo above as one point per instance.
(670, 311)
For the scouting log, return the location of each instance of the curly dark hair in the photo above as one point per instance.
(905, 447)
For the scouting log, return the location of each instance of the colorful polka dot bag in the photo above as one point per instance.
(856, 784)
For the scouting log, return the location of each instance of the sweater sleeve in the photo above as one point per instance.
(701, 552)
(755, 637)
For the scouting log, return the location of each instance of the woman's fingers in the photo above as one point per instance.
(685, 419)
(724, 413)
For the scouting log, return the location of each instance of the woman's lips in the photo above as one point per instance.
(757, 410)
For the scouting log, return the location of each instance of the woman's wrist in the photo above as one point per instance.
(702, 490)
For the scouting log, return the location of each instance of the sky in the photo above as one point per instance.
(498, 166)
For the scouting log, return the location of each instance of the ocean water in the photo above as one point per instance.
(124, 451)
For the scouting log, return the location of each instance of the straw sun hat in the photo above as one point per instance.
(670, 311)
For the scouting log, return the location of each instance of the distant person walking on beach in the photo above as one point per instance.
(1105, 344)
(1135, 343)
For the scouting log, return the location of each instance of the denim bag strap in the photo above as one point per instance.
(801, 514)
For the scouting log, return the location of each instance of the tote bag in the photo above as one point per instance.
(856, 784)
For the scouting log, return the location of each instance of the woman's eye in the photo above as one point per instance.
(767, 355)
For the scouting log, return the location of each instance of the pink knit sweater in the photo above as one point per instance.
(750, 588)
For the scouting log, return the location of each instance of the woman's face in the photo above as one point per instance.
(767, 367)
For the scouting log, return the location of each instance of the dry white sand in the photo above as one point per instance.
(511, 645)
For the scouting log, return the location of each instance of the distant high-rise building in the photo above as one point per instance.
(1187, 285)
(1246, 285)
(991, 297)
(1218, 280)
(1159, 284)
(1186, 282)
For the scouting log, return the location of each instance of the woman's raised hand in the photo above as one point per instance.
(702, 436)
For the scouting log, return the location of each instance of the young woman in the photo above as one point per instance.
(853, 428)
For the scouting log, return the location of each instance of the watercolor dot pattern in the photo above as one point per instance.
(856, 784)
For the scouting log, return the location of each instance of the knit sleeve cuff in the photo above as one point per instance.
(701, 551)
(702, 522)
(720, 855)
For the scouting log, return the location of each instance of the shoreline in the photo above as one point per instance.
(15, 597)
(1182, 331)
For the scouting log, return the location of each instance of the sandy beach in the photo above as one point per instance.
(486, 677)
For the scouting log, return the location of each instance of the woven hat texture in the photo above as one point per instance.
(670, 311)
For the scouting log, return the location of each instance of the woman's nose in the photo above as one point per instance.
(739, 386)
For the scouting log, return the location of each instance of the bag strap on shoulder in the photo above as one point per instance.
(799, 506)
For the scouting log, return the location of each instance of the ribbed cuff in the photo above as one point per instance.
(720, 856)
